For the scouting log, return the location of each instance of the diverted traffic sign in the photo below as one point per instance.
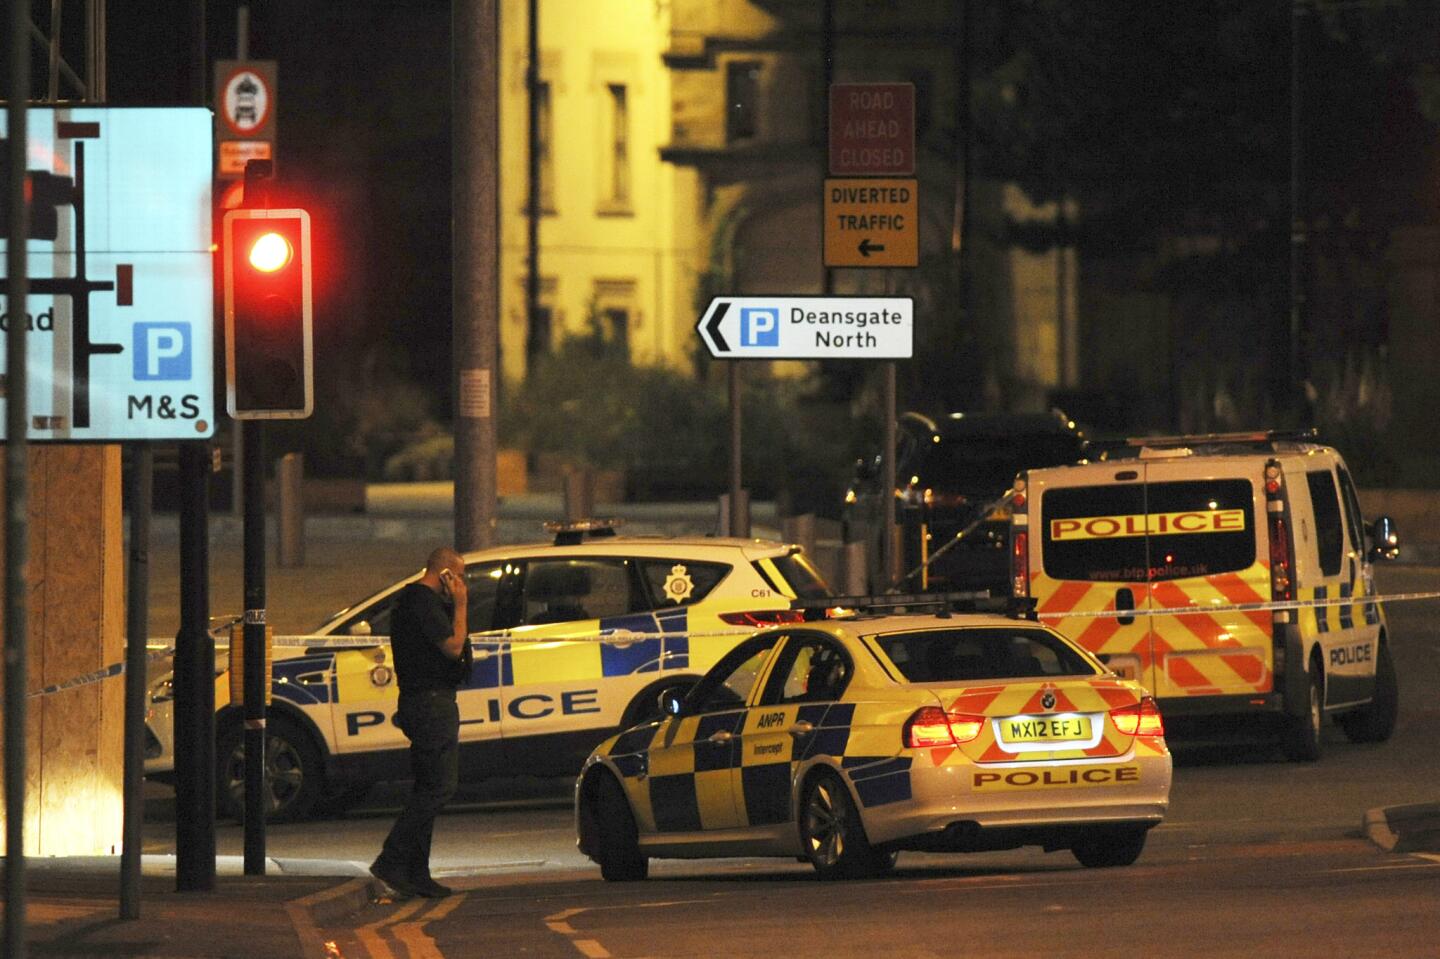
(121, 305)
(872, 223)
(809, 327)
(872, 129)
(245, 94)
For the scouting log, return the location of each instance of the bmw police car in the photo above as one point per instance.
(844, 741)
(544, 689)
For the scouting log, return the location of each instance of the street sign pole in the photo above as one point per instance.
(254, 653)
(739, 525)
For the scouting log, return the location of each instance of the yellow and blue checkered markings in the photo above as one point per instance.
(1343, 616)
(690, 785)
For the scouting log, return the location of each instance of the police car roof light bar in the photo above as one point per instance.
(573, 532)
(941, 604)
(1135, 446)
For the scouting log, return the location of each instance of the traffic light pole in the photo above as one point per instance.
(194, 722)
(254, 653)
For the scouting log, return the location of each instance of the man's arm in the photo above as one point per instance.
(454, 645)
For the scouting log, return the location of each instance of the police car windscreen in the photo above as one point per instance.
(1158, 531)
(804, 579)
(981, 654)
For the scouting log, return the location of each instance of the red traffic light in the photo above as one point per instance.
(268, 351)
(270, 252)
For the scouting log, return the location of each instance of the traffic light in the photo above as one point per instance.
(267, 314)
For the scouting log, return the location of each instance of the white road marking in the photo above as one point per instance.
(1398, 865)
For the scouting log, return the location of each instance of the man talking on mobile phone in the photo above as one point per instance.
(429, 641)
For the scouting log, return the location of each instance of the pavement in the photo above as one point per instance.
(72, 906)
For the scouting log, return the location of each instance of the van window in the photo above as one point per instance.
(1196, 528)
(1329, 535)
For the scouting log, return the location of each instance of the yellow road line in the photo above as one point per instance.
(299, 912)
(412, 934)
(371, 935)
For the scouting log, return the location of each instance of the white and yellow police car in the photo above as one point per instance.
(844, 741)
(545, 688)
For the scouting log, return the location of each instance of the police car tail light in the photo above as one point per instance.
(933, 726)
(1142, 719)
(756, 618)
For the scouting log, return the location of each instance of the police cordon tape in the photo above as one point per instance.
(630, 637)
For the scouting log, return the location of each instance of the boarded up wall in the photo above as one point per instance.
(76, 616)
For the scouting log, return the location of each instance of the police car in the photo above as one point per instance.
(545, 688)
(844, 741)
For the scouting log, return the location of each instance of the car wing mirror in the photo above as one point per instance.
(359, 628)
(1384, 539)
(672, 700)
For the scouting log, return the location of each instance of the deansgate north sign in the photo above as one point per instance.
(809, 327)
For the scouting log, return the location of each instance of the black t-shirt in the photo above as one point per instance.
(419, 626)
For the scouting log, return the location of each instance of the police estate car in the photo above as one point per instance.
(846, 740)
(544, 690)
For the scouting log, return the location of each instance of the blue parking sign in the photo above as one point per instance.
(162, 351)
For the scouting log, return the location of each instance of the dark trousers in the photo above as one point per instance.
(431, 720)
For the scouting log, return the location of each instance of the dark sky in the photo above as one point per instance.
(363, 114)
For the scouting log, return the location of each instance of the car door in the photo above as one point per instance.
(790, 721)
(365, 684)
(562, 681)
(692, 757)
(1350, 660)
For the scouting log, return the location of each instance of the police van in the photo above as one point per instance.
(586, 632)
(1158, 555)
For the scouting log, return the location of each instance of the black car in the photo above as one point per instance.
(950, 472)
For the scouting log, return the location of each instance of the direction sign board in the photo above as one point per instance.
(245, 94)
(121, 302)
(809, 327)
(872, 129)
(872, 223)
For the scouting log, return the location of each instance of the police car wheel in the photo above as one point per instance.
(292, 772)
(832, 835)
(1374, 723)
(1301, 742)
(1102, 848)
(617, 847)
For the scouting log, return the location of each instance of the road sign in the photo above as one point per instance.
(872, 223)
(245, 96)
(809, 327)
(872, 129)
(121, 300)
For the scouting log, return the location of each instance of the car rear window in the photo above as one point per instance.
(1197, 528)
(803, 579)
(981, 653)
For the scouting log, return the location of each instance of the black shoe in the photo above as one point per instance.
(430, 889)
(394, 879)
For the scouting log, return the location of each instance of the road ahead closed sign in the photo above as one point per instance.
(809, 327)
(872, 223)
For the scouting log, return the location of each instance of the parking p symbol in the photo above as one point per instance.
(162, 351)
(759, 326)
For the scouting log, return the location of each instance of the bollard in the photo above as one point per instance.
(579, 493)
(800, 530)
(741, 525)
(290, 485)
(852, 564)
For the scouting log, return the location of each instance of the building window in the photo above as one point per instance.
(617, 149)
(544, 147)
(614, 312)
(742, 100)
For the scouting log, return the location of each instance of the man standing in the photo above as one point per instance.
(429, 640)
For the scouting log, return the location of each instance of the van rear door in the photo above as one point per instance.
(1208, 547)
(1084, 560)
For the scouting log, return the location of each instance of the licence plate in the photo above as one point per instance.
(1044, 729)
